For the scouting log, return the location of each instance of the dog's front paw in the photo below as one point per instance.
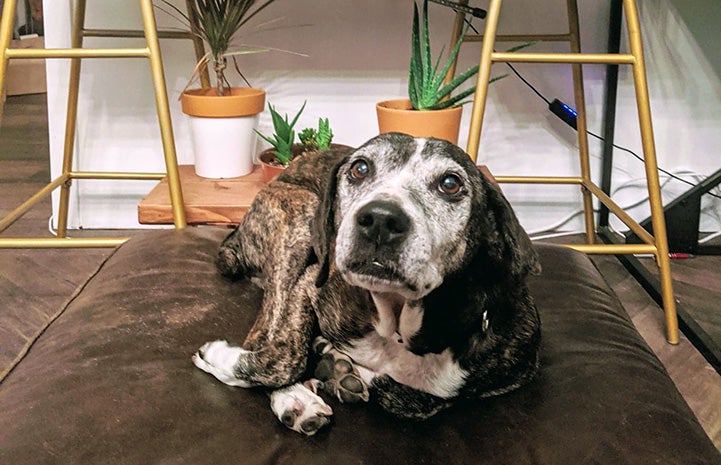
(299, 408)
(339, 377)
(222, 360)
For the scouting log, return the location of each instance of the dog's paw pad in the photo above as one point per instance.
(340, 378)
(300, 409)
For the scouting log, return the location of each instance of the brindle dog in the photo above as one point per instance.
(400, 265)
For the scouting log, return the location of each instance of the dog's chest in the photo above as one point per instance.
(437, 374)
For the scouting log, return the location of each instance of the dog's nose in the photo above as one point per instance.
(383, 222)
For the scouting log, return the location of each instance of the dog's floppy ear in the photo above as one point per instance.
(501, 235)
(323, 227)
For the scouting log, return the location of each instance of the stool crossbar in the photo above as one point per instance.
(76, 53)
(655, 244)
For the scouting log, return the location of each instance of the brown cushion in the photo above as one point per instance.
(111, 381)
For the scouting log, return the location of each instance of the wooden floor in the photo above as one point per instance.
(34, 283)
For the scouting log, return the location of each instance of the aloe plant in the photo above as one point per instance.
(283, 136)
(425, 81)
(216, 22)
(426, 90)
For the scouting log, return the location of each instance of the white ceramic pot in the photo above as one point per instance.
(222, 130)
(223, 147)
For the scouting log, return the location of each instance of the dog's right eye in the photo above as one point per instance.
(359, 170)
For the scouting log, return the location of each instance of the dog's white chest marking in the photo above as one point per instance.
(410, 321)
(437, 374)
(385, 324)
(397, 316)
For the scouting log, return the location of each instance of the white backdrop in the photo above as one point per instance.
(358, 55)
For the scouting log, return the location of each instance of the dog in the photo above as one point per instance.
(398, 265)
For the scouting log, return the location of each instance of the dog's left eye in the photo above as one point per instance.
(450, 184)
(359, 170)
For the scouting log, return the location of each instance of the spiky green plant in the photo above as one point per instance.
(216, 22)
(425, 84)
(283, 134)
(425, 81)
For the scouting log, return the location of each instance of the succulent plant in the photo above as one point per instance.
(317, 139)
(426, 90)
(283, 136)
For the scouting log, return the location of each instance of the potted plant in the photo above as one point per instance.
(222, 118)
(430, 109)
(283, 146)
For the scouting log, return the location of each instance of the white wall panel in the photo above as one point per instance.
(358, 54)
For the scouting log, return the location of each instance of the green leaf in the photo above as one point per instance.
(453, 101)
(446, 90)
(415, 81)
(449, 62)
(426, 45)
(298, 115)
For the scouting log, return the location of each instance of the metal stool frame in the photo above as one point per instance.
(76, 53)
(656, 244)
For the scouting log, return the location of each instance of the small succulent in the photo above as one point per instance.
(317, 139)
(283, 135)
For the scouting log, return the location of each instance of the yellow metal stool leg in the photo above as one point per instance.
(649, 150)
(161, 102)
(6, 35)
(580, 100)
(71, 118)
(484, 75)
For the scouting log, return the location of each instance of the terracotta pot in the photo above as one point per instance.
(271, 169)
(399, 116)
(222, 130)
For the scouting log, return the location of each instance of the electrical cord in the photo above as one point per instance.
(677, 178)
(50, 227)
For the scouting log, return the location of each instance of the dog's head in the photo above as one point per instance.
(400, 214)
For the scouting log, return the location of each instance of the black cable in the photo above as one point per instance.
(639, 157)
(548, 102)
(515, 71)
(530, 86)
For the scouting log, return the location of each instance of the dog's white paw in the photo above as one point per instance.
(299, 408)
(220, 359)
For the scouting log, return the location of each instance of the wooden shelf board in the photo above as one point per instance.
(207, 201)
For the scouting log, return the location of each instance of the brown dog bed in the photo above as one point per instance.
(111, 381)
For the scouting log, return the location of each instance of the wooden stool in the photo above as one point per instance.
(656, 244)
(76, 53)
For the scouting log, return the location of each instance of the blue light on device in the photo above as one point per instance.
(563, 111)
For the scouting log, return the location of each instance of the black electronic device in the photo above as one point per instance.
(476, 12)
